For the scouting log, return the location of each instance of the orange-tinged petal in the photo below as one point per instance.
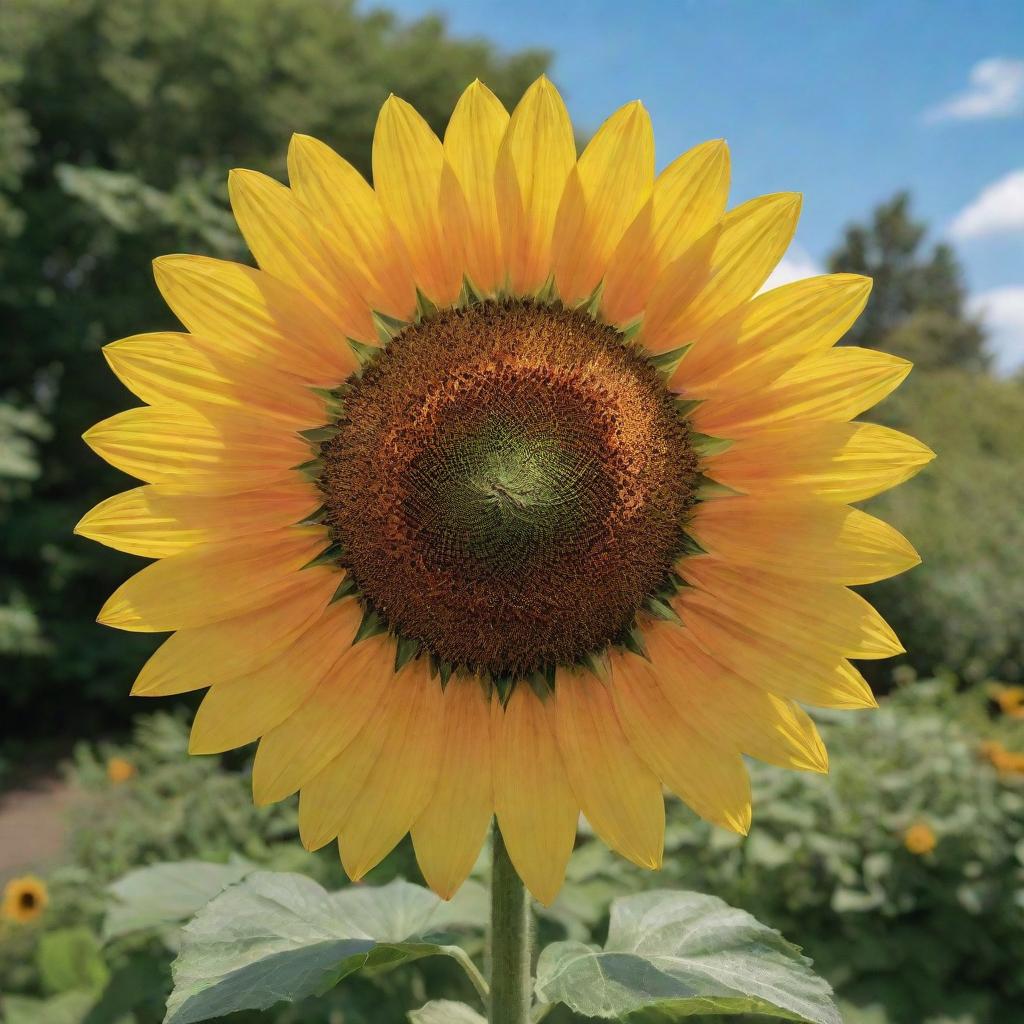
(353, 226)
(842, 462)
(537, 810)
(534, 161)
(619, 795)
(408, 167)
(206, 452)
(837, 385)
(752, 239)
(795, 611)
(688, 200)
(471, 145)
(204, 655)
(155, 521)
(250, 314)
(279, 232)
(809, 540)
(213, 581)
(449, 833)
(174, 367)
(710, 779)
(237, 711)
(603, 193)
(306, 742)
(747, 350)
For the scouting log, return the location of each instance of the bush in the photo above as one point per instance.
(963, 607)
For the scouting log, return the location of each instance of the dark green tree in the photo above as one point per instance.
(916, 309)
(119, 120)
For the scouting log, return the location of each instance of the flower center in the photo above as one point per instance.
(508, 485)
(27, 900)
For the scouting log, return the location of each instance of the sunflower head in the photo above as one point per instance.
(502, 488)
(24, 899)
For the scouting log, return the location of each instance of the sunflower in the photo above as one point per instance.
(120, 770)
(499, 489)
(24, 899)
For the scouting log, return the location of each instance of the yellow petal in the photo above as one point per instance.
(712, 780)
(155, 521)
(408, 166)
(619, 795)
(809, 540)
(353, 226)
(237, 711)
(747, 350)
(687, 201)
(537, 811)
(204, 655)
(795, 611)
(603, 193)
(842, 462)
(254, 316)
(471, 145)
(306, 742)
(752, 239)
(534, 161)
(837, 384)
(449, 833)
(205, 452)
(729, 711)
(172, 367)
(279, 232)
(213, 581)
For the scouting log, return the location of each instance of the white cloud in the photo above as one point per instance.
(996, 90)
(794, 266)
(1002, 312)
(998, 209)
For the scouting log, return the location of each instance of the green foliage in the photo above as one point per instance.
(916, 309)
(962, 609)
(120, 120)
(671, 955)
(444, 1011)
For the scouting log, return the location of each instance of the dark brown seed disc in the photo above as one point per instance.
(509, 484)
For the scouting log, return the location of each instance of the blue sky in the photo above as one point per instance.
(844, 102)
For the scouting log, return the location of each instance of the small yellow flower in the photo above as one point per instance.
(1010, 700)
(1006, 762)
(919, 839)
(24, 899)
(120, 770)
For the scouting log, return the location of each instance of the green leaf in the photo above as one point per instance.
(444, 1011)
(67, 1008)
(167, 894)
(671, 955)
(278, 936)
(69, 959)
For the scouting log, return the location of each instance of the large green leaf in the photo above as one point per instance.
(444, 1011)
(167, 894)
(69, 959)
(671, 955)
(277, 936)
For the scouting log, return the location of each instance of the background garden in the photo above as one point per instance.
(901, 873)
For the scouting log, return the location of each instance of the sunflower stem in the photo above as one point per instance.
(510, 940)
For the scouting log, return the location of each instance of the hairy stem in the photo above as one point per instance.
(511, 939)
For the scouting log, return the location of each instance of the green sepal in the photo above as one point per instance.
(708, 488)
(631, 331)
(347, 588)
(503, 685)
(387, 327)
(331, 399)
(662, 610)
(469, 294)
(592, 303)
(310, 470)
(404, 653)
(329, 556)
(441, 669)
(684, 406)
(690, 546)
(363, 352)
(373, 624)
(547, 292)
(633, 641)
(316, 518)
(317, 435)
(667, 362)
(424, 307)
(538, 682)
(598, 664)
(705, 444)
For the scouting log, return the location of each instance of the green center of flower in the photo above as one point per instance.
(508, 485)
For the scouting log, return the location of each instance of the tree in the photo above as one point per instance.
(120, 120)
(916, 308)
